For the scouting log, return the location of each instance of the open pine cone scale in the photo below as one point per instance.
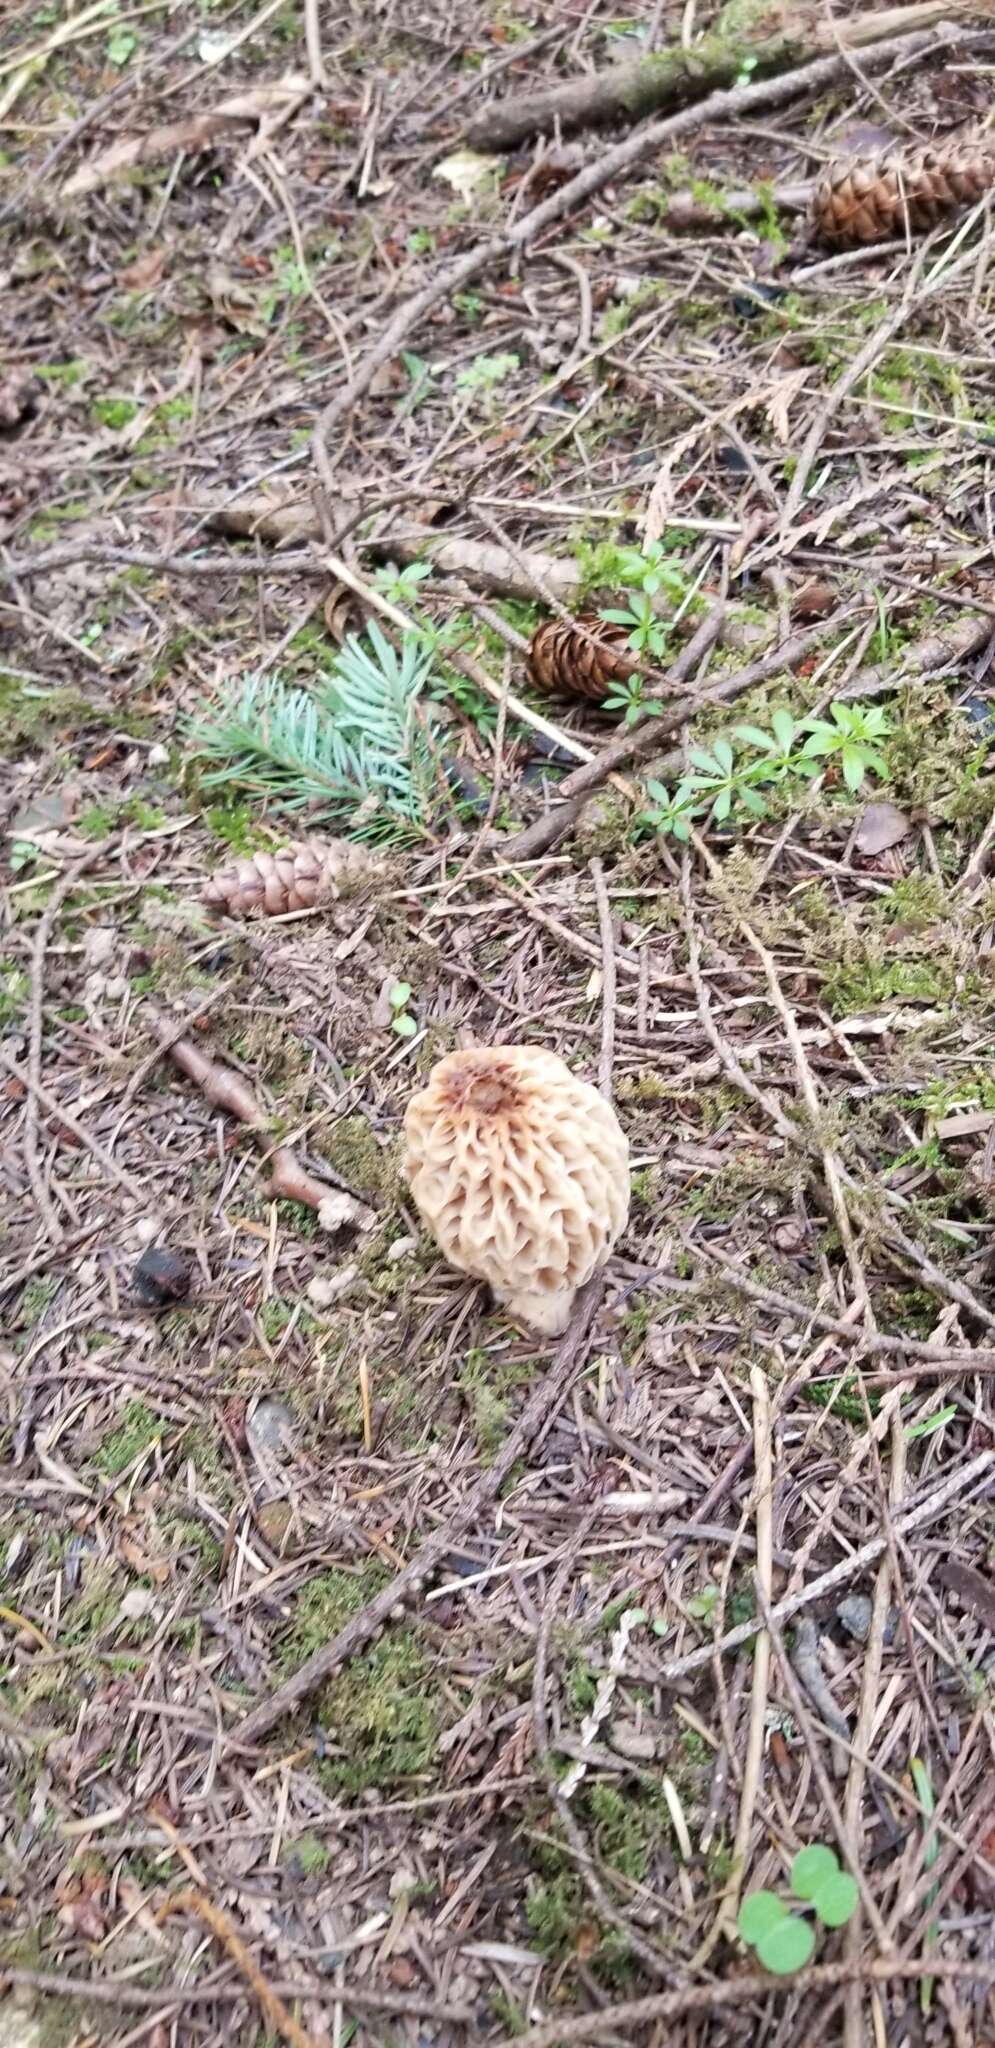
(567, 662)
(870, 199)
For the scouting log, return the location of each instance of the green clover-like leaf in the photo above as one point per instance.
(786, 1947)
(758, 1914)
(811, 1869)
(836, 1900)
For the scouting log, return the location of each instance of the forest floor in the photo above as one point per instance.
(727, 1593)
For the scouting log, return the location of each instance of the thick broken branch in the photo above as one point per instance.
(764, 39)
(488, 567)
(954, 642)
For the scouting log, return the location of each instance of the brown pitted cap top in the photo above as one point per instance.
(521, 1172)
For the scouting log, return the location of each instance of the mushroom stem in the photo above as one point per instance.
(547, 1314)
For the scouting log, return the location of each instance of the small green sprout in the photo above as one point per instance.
(402, 1022)
(401, 585)
(783, 1941)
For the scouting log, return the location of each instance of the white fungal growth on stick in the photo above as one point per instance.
(522, 1173)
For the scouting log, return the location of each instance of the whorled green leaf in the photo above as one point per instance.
(755, 737)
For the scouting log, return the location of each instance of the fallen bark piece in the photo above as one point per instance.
(881, 826)
(199, 132)
(487, 566)
(875, 199)
(763, 38)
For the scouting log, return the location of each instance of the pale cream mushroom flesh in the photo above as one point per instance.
(521, 1172)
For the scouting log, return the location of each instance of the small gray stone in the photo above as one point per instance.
(272, 1424)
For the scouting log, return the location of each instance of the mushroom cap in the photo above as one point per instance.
(520, 1170)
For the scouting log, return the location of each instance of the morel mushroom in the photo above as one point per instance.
(522, 1173)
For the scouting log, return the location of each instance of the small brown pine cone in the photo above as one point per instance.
(297, 877)
(565, 663)
(869, 199)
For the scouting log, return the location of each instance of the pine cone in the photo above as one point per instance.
(566, 664)
(869, 199)
(296, 877)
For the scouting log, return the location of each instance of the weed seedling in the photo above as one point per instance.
(783, 1941)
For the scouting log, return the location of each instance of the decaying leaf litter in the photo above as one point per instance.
(595, 1643)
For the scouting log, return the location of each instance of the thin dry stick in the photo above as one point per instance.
(406, 624)
(940, 1358)
(831, 1163)
(763, 1452)
(72, 1123)
(763, 1491)
(274, 2012)
(737, 1990)
(606, 1061)
(940, 1498)
(657, 1963)
(852, 2014)
(312, 40)
(853, 2026)
(135, 1998)
(801, 1716)
(851, 375)
(548, 1391)
(942, 274)
(43, 932)
(26, 566)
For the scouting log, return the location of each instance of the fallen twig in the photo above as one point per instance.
(615, 2021)
(763, 38)
(549, 1390)
(72, 1123)
(43, 933)
(936, 1501)
(226, 1090)
(137, 1998)
(954, 643)
(274, 2012)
